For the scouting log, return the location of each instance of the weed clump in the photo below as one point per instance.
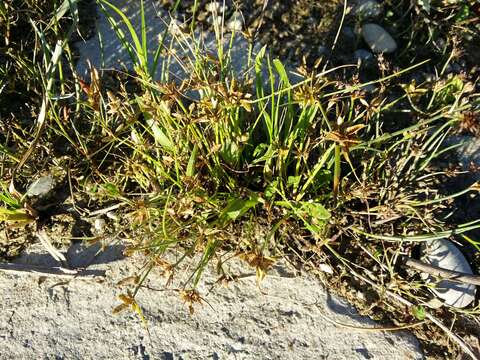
(256, 166)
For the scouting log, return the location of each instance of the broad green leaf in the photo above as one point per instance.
(160, 137)
(282, 72)
(238, 207)
(191, 162)
(315, 210)
(271, 189)
(259, 59)
(231, 152)
(293, 181)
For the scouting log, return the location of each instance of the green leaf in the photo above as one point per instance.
(418, 312)
(160, 137)
(271, 189)
(315, 210)
(260, 150)
(191, 162)
(259, 59)
(282, 72)
(62, 10)
(111, 189)
(231, 152)
(293, 181)
(238, 207)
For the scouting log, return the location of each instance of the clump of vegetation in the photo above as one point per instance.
(220, 165)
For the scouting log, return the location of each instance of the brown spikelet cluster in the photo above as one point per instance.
(470, 123)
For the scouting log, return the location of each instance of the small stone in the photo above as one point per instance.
(363, 57)
(213, 7)
(378, 39)
(42, 186)
(215, 20)
(369, 88)
(99, 225)
(325, 268)
(444, 254)
(235, 22)
(368, 9)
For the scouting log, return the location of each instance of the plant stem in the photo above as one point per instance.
(337, 172)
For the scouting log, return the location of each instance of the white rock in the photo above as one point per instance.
(99, 225)
(379, 40)
(41, 186)
(325, 268)
(442, 253)
(213, 7)
(368, 9)
(105, 51)
(235, 23)
(243, 322)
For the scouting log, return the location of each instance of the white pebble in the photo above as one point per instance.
(213, 7)
(379, 40)
(235, 22)
(41, 186)
(444, 254)
(99, 225)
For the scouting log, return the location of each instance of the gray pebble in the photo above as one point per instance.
(369, 88)
(444, 254)
(363, 57)
(42, 186)
(368, 9)
(235, 23)
(378, 39)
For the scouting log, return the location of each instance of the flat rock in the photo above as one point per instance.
(444, 254)
(42, 186)
(52, 320)
(105, 51)
(378, 39)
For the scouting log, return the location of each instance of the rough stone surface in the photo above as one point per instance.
(105, 51)
(378, 39)
(57, 320)
(442, 253)
(468, 152)
(41, 186)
